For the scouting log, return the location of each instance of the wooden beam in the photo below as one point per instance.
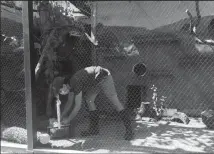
(29, 65)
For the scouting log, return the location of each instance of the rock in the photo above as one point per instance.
(208, 118)
(44, 138)
(67, 144)
(180, 117)
(17, 135)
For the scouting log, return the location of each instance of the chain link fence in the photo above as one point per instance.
(12, 75)
(184, 78)
(178, 65)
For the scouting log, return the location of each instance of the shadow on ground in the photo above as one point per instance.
(153, 137)
(149, 137)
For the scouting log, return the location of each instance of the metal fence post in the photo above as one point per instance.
(29, 66)
(93, 29)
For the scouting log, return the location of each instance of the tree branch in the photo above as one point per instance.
(191, 21)
(15, 7)
(194, 24)
(85, 9)
(198, 13)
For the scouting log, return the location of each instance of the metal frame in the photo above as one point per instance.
(93, 30)
(29, 67)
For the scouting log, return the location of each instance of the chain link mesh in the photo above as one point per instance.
(181, 68)
(12, 75)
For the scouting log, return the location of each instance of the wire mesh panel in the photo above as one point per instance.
(122, 70)
(13, 106)
(12, 67)
(176, 64)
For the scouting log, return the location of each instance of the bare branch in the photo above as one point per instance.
(82, 6)
(191, 22)
(194, 24)
(198, 13)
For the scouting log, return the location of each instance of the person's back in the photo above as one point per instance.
(87, 77)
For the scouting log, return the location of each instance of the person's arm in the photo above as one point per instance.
(49, 102)
(52, 94)
(69, 104)
(77, 105)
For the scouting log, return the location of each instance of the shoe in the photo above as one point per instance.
(129, 134)
(93, 125)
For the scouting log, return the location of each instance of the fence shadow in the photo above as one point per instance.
(152, 137)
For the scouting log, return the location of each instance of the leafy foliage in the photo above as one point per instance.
(17, 135)
(61, 22)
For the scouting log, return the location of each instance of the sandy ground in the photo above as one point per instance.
(149, 137)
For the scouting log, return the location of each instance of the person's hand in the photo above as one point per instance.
(65, 121)
(52, 121)
(64, 90)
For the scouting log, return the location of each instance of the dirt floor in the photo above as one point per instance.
(162, 136)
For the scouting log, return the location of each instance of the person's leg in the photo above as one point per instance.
(108, 88)
(107, 85)
(90, 97)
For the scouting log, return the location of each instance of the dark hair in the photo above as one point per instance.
(139, 69)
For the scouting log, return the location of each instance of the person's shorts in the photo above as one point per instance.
(106, 85)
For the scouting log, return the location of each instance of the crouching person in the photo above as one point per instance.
(91, 80)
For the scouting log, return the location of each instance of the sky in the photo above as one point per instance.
(149, 14)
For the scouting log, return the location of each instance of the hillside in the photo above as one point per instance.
(177, 26)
